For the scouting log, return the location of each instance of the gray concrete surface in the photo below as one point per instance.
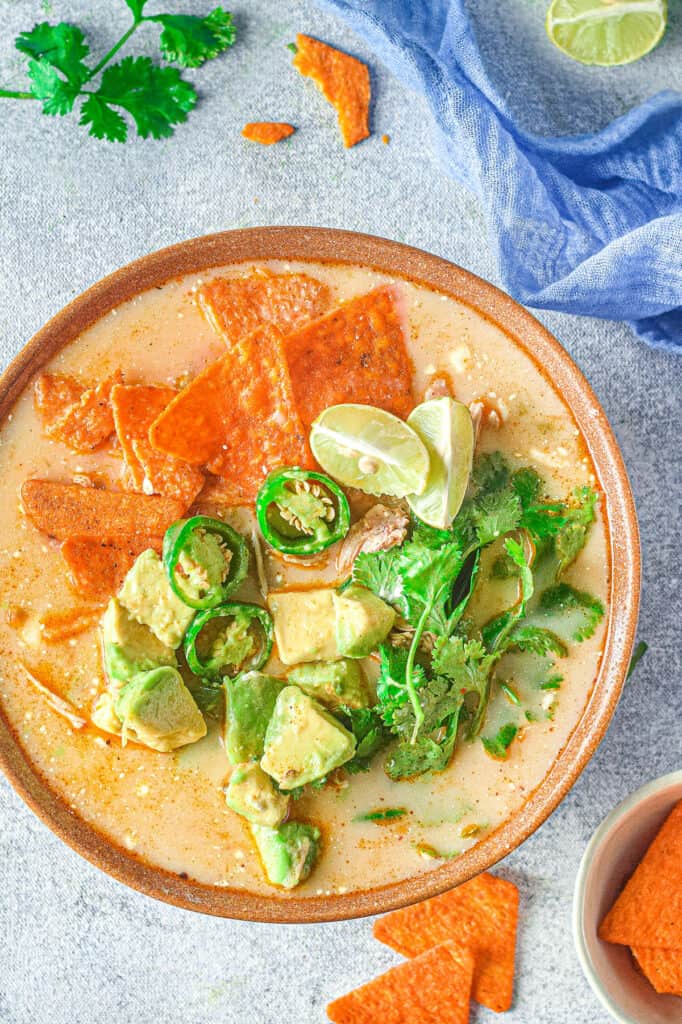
(76, 946)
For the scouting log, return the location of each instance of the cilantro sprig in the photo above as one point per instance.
(155, 98)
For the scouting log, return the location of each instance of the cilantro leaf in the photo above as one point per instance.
(581, 610)
(536, 640)
(190, 40)
(61, 46)
(408, 760)
(58, 96)
(156, 98)
(491, 472)
(380, 571)
(370, 737)
(498, 746)
(104, 121)
(136, 6)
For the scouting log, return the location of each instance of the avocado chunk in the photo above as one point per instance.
(158, 710)
(129, 647)
(146, 594)
(252, 794)
(363, 621)
(304, 625)
(288, 853)
(334, 683)
(104, 716)
(303, 742)
(249, 703)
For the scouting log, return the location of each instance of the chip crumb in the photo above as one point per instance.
(267, 132)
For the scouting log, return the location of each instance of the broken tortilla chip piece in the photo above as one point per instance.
(663, 968)
(267, 132)
(480, 915)
(71, 510)
(648, 912)
(356, 353)
(236, 306)
(87, 423)
(96, 570)
(58, 626)
(433, 987)
(135, 407)
(343, 81)
(238, 417)
(54, 395)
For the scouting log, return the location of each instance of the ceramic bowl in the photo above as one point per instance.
(322, 244)
(613, 853)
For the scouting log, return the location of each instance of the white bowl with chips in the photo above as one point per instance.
(613, 853)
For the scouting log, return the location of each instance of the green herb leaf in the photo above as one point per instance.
(61, 46)
(104, 121)
(156, 98)
(389, 814)
(58, 96)
(136, 6)
(408, 760)
(189, 40)
(370, 737)
(582, 611)
(638, 653)
(498, 746)
(536, 640)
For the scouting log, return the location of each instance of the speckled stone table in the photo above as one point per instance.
(75, 945)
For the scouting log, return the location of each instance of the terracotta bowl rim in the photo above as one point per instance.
(346, 247)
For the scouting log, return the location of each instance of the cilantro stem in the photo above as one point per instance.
(114, 49)
(409, 676)
(9, 94)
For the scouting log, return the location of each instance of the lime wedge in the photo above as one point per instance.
(606, 32)
(370, 449)
(446, 429)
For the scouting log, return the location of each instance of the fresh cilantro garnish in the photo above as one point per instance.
(155, 98)
(387, 814)
(370, 736)
(536, 640)
(581, 611)
(498, 746)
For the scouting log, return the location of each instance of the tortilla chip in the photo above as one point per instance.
(663, 968)
(343, 81)
(480, 915)
(54, 395)
(58, 626)
(238, 416)
(648, 912)
(70, 510)
(356, 353)
(135, 407)
(433, 987)
(87, 423)
(267, 132)
(96, 570)
(236, 306)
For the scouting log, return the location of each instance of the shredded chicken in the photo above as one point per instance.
(380, 528)
(57, 703)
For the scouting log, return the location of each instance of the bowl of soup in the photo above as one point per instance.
(320, 574)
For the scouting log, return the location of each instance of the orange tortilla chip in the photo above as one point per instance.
(267, 132)
(480, 915)
(356, 353)
(663, 968)
(433, 987)
(238, 417)
(96, 570)
(648, 912)
(54, 395)
(342, 80)
(70, 510)
(135, 407)
(58, 626)
(236, 306)
(87, 423)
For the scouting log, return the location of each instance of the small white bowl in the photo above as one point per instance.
(611, 856)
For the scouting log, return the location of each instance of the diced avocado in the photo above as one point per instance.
(288, 853)
(304, 625)
(333, 683)
(363, 621)
(303, 742)
(104, 716)
(147, 595)
(252, 794)
(129, 647)
(249, 703)
(158, 709)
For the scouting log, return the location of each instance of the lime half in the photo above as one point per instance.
(606, 32)
(446, 428)
(370, 449)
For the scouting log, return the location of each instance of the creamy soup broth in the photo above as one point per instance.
(169, 809)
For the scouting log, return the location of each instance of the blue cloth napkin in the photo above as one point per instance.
(586, 224)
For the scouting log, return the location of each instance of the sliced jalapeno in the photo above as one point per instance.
(205, 560)
(229, 639)
(301, 512)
